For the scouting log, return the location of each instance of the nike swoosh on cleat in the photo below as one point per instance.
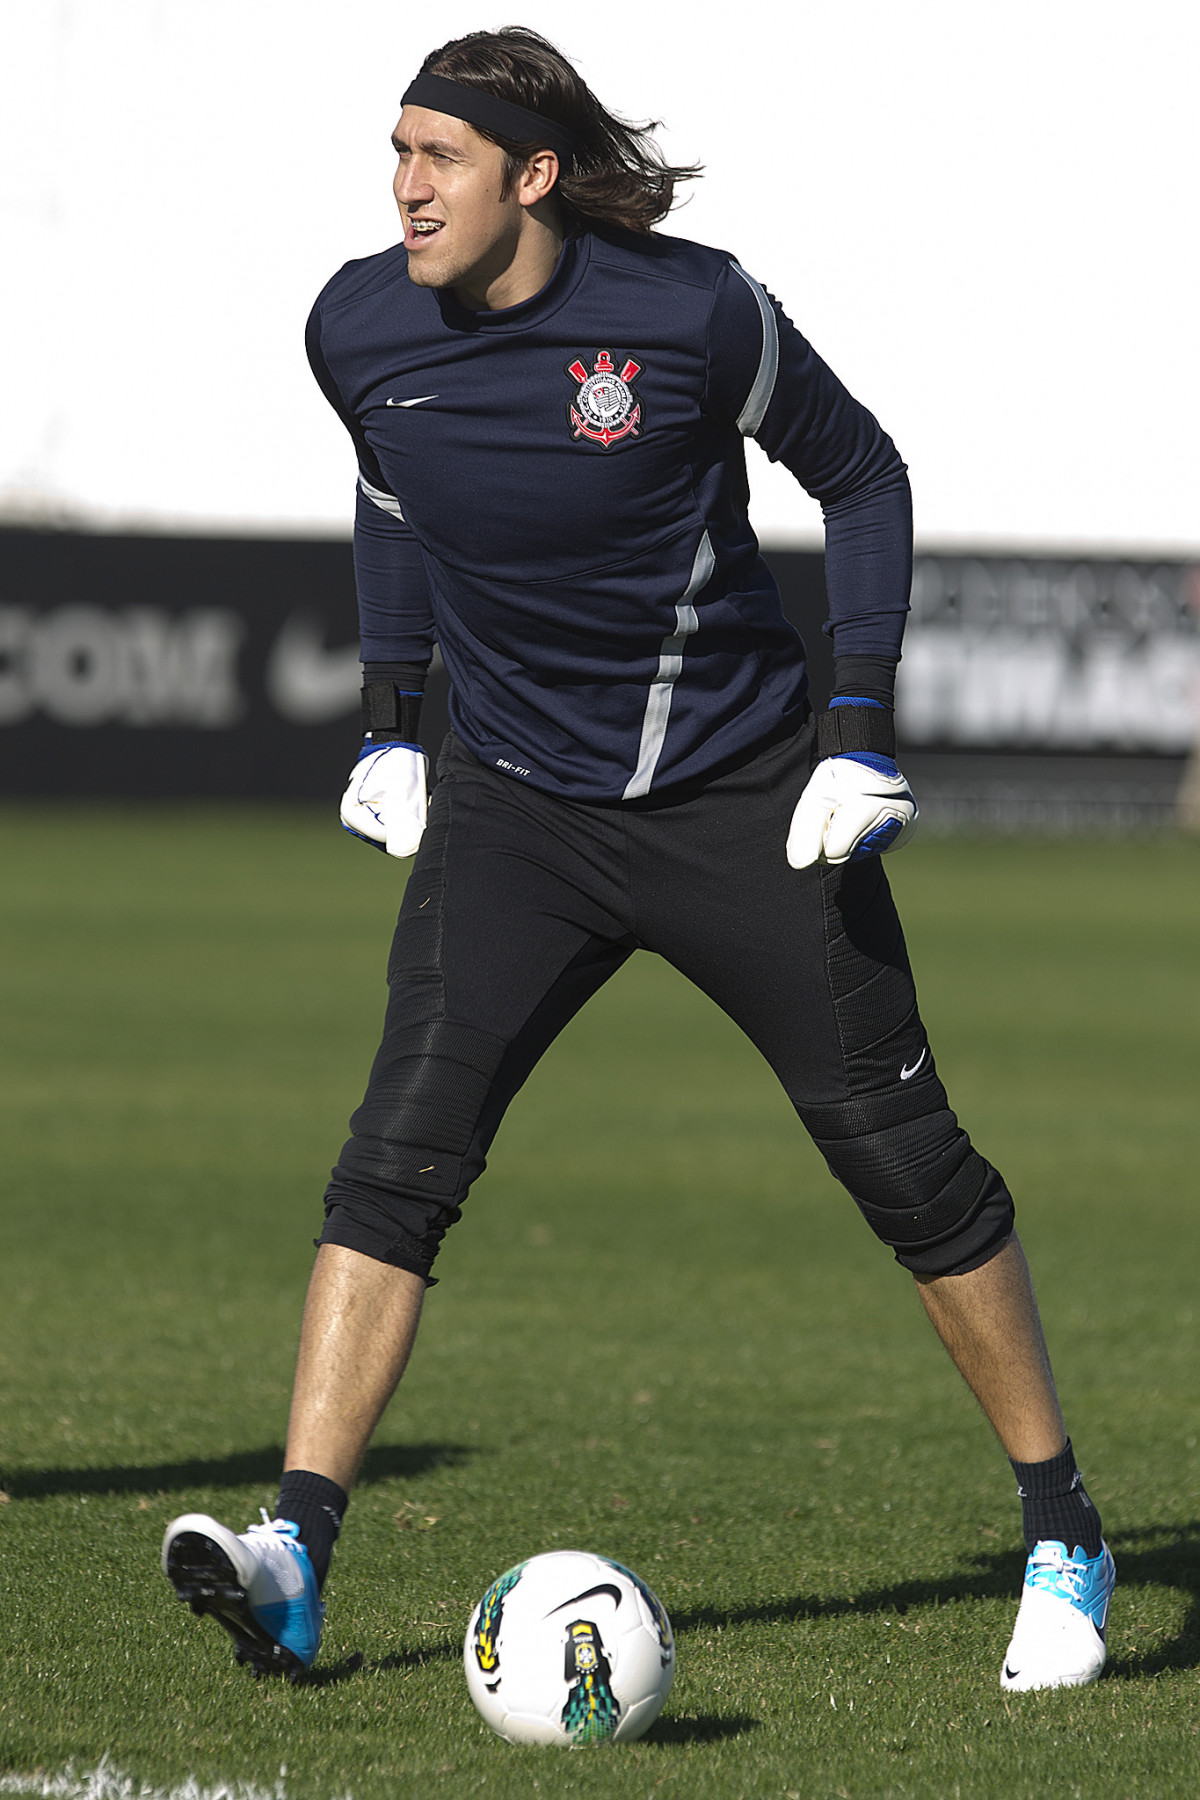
(419, 401)
(1011, 1674)
(906, 1074)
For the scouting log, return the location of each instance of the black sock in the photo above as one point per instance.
(316, 1506)
(1054, 1503)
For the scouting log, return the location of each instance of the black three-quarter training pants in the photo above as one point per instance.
(520, 905)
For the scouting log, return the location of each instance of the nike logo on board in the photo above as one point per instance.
(309, 682)
(906, 1074)
(419, 401)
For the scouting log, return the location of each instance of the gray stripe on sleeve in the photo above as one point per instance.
(387, 503)
(759, 397)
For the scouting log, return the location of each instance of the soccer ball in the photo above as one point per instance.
(569, 1648)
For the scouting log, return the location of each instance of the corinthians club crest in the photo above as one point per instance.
(607, 407)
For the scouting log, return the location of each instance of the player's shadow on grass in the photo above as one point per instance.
(993, 1577)
(244, 1468)
(333, 1674)
(1162, 1556)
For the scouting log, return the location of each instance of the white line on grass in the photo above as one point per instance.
(106, 1783)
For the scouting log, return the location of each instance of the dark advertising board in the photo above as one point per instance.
(171, 667)
(1052, 654)
(168, 667)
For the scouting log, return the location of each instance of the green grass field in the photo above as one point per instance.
(756, 1419)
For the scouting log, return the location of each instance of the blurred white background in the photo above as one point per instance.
(983, 217)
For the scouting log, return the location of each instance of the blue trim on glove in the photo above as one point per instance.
(375, 843)
(856, 700)
(370, 748)
(882, 765)
(877, 841)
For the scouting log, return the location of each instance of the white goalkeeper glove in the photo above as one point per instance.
(853, 807)
(385, 802)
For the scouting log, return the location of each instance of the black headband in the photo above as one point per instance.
(475, 107)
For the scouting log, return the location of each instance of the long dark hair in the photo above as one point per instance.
(619, 176)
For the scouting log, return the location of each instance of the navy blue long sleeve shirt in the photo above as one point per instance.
(556, 493)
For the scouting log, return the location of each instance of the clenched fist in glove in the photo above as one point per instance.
(856, 803)
(385, 802)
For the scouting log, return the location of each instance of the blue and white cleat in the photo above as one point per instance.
(1059, 1636)
(260, 1586)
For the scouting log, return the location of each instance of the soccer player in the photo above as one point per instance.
(548, 403)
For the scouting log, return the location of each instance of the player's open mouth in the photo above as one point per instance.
(424, 228)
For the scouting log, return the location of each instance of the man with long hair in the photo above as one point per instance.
(548, 403)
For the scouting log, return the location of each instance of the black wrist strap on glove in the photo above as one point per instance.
(844, 729)
(391, 702)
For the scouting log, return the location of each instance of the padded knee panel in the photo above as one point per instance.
(428, 1086)
(914, 1174)
(403, 1175)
